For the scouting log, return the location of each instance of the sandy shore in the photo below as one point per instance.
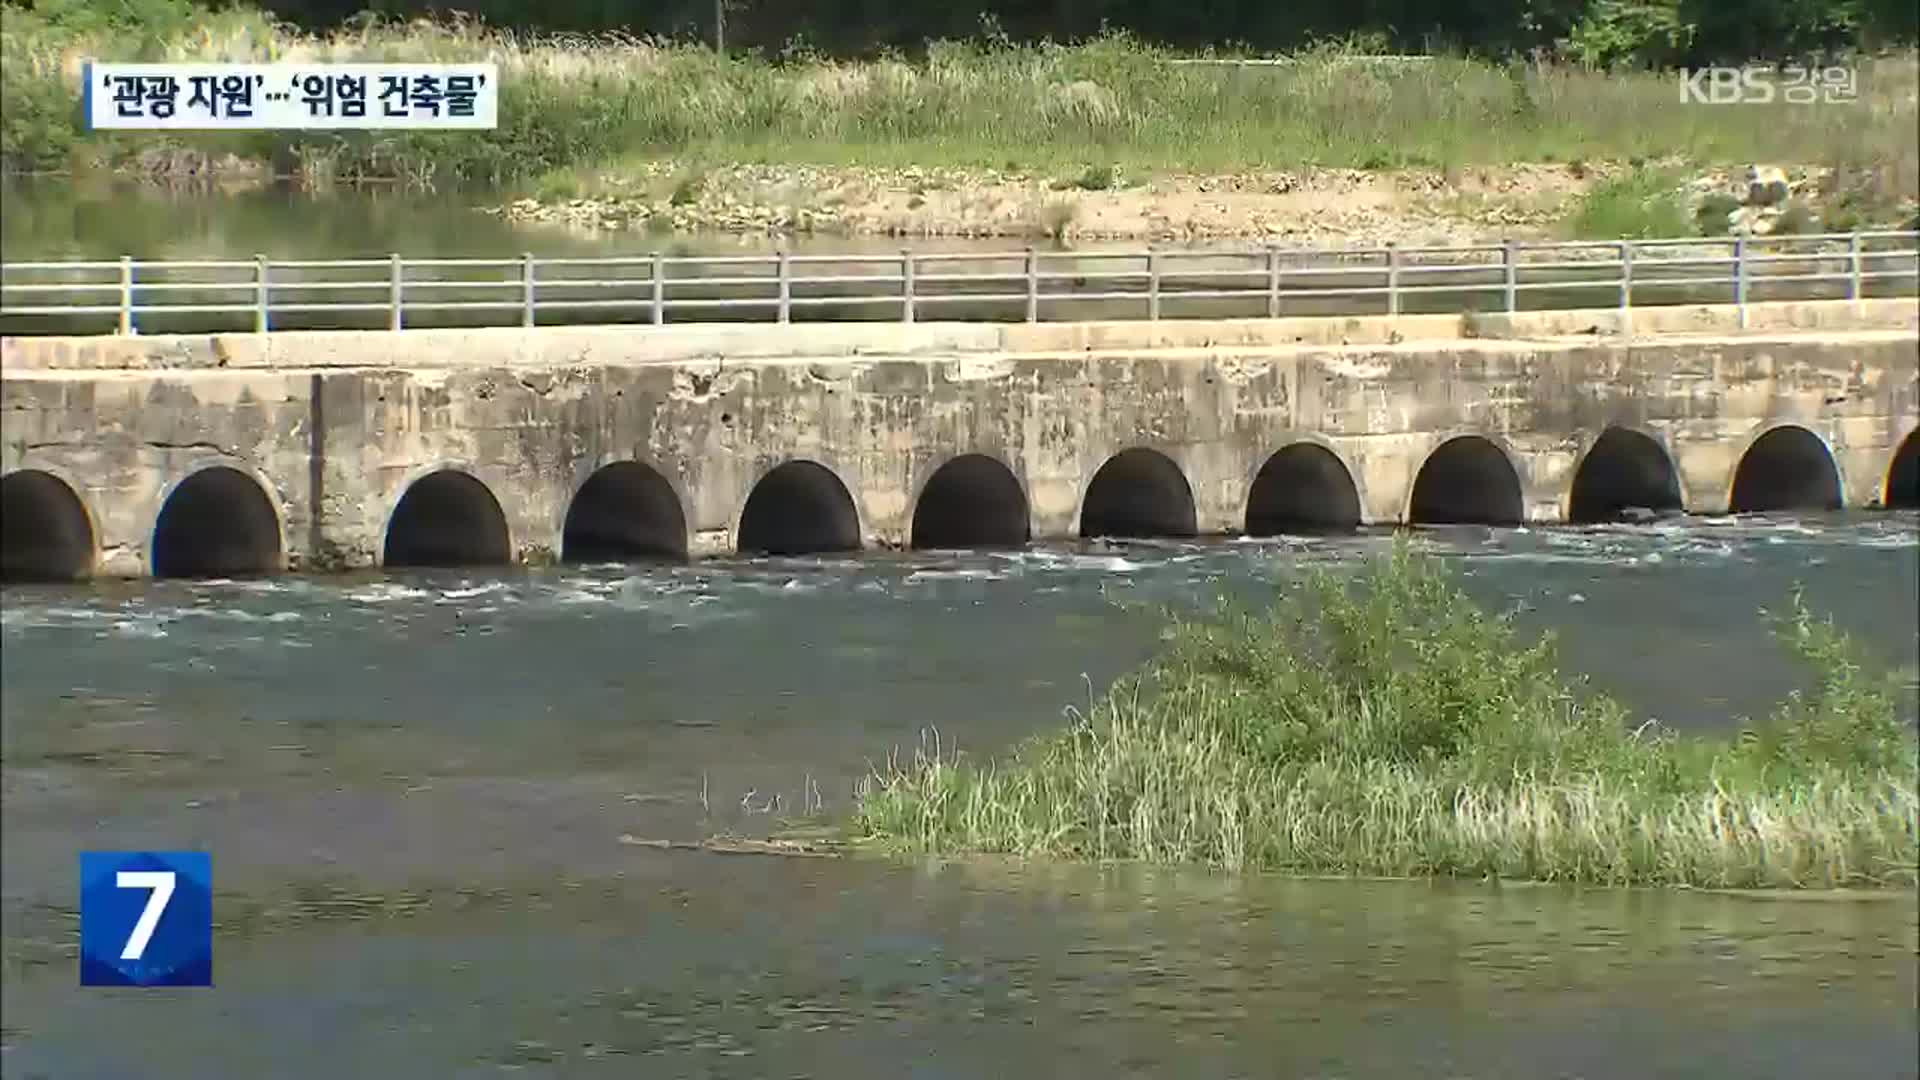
(1302, 207)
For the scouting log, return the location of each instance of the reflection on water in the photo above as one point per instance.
(425, 776)
(61, 221)
(51, 222)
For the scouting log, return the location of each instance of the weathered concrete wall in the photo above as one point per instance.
(335, 446)
(636, 344)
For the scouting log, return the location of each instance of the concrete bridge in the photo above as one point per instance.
(255, 453)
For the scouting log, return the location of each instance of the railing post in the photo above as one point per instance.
(783, 269)
(1510, 274)
(1033, 285)
(1740, 281)
(526, 288)
(126, 295)
(1854, 292)
(657, 286)
(1273, 282)
(906, 285)
(1153, 283)
(1626, 285)
(261, 299)
(395, 270)
(1393, 279)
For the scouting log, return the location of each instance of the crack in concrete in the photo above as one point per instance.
(149, 444)
(160, 444)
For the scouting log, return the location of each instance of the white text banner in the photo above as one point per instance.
(309, 97)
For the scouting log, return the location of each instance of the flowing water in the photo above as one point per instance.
(414, 788)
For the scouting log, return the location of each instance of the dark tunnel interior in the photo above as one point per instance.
(1623, 470)
(1467, 480)
(1138, 493)
(972, 501)
(45, 533)
(1788, 468)
(217, 523)
(447, 518)
(1903, 476)
(799, 508)
(1302, 489)
(625, 512)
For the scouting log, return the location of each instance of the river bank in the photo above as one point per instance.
(1303, 207)
(1106, 139)
(1387, 725)
(1307, 207)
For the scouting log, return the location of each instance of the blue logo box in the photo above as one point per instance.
(146, 918)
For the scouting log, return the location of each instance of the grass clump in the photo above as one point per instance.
(1389, 726)
(1092, 178)
(1714, 212)
(1055, 217)
(688, 185)
(1639, 205)
(1796, 219)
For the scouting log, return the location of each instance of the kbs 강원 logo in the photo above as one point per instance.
(146, 918)
(1757, 85)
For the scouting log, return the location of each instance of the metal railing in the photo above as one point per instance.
(128, 296)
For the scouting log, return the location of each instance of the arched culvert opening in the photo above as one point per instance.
(1788, 468)
(45, 534)
(798, 509)
(447, 518)
(1138, 493)
(1467, 480)
(1624, 474)
(625, 512)
(217, 523)
(1903, 476)
(1302, 489)
(970, 502)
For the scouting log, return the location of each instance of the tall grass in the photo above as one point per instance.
(1643, 204)
(1113, 102)
(1387, 725)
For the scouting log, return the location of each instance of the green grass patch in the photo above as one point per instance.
(1640, 205)
(1092, 178)
(1714, 212)
(1387, 725)
(1047, 108)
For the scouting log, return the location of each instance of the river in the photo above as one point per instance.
(414, 785)
(59, 221)
(62, 220)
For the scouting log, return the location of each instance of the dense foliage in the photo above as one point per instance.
(1605, 31)
(571, 105)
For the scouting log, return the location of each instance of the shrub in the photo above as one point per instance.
(1640, 205)
(1388, 725)
(1710, 215)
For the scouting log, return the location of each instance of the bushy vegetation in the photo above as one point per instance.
(1113, 101)
(1641, 205)
(1696, 31)
(1386, 725)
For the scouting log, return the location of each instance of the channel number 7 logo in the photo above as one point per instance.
(146, 918)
